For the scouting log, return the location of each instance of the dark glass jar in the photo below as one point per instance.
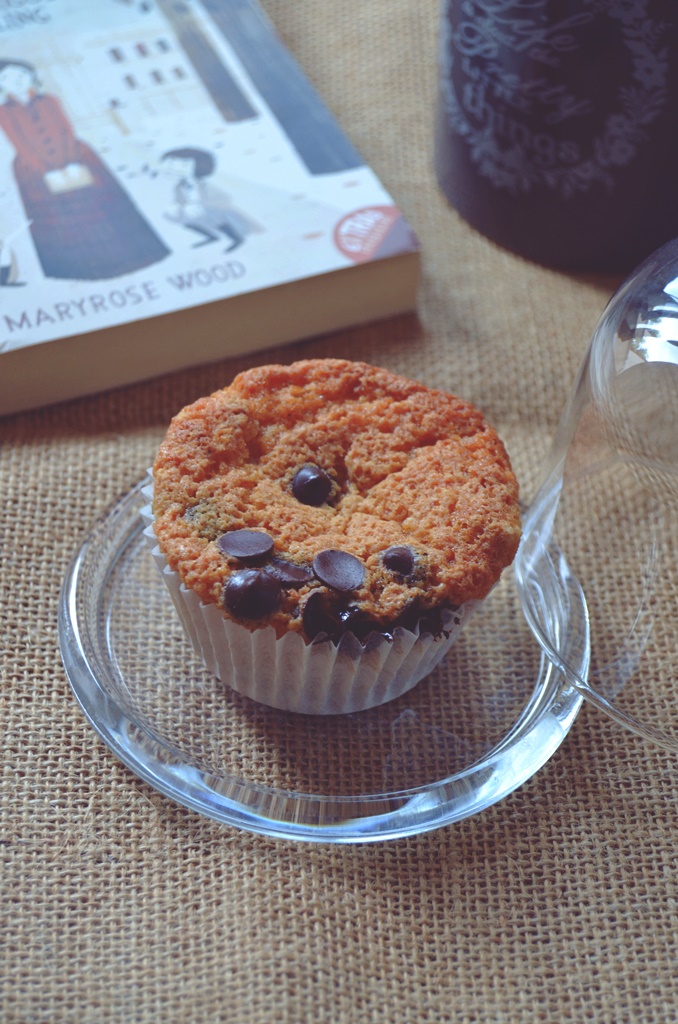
(557, 126)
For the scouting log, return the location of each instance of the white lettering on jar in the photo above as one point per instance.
(497, 60)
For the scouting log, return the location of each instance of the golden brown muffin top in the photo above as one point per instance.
(327, 456)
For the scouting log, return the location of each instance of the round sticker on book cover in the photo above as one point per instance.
(361, 234)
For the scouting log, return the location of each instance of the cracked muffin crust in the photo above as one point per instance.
(330, 496)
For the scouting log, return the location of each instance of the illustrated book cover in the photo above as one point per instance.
(173, 192)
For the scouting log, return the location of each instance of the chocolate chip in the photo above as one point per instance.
(354, 620)
(321, 615)
(288, 574)
(252, 594)
(399, 559)
(247, 545)
(318, 617)
(431, 623)
(349, 616)
(429, 620)
(339, 570)
(311, 485)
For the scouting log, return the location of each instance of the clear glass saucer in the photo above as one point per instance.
(472, 732)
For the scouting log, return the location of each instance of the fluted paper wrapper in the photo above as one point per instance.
(318, 678)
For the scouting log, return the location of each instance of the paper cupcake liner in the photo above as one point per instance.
(317, 678)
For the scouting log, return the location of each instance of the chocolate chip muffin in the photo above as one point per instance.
(339, 504)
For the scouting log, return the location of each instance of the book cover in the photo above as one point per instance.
(173, 191)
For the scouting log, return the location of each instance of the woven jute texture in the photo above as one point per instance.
(557, 904)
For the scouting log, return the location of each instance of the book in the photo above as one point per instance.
(173, 192)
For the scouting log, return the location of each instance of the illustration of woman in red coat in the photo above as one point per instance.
(84, 225)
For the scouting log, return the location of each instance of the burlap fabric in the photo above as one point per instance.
(559, 903)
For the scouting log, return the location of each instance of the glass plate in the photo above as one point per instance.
(465, 737)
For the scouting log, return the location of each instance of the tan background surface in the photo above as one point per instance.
(557, 904)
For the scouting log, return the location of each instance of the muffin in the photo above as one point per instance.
(326, 528)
